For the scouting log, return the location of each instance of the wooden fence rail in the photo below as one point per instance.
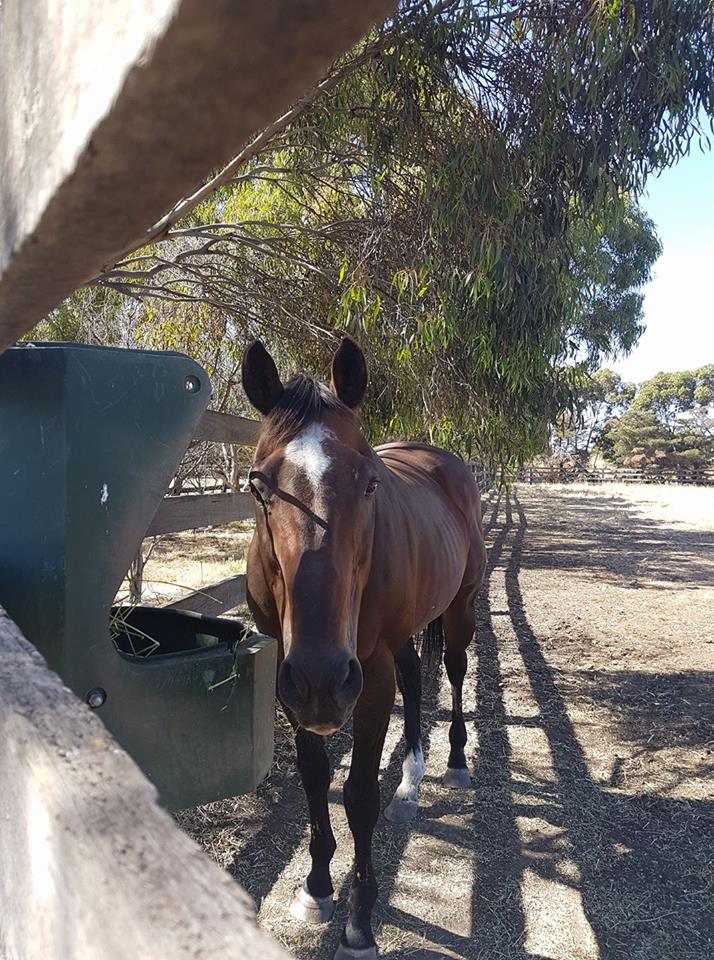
(225, 428)
(91, 865)
(200, 510)
(216, 599)
(702, 476)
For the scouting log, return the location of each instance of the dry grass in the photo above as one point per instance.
(589, 830)
(182, 562)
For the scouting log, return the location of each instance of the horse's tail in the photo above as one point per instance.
(430, 644)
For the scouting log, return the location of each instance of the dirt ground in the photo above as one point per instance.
(589, 829)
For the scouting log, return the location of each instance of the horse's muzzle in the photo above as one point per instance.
(320, 691)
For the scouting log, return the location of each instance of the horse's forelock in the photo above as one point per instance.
(304, 401)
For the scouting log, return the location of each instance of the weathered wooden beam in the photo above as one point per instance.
(225, 428)
(214, 600)
(112, 112)
(202, 510)
(91, 865)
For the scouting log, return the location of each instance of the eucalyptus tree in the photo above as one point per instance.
(460, 193)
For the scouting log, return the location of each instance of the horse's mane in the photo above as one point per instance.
(304, 400)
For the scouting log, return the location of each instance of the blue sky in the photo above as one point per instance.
(679, 301)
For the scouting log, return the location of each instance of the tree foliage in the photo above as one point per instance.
(603, 399)
(667, 418)
(455, 194)
(669, 395)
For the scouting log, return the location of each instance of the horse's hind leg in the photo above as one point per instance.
(404, 803)
(459, 625)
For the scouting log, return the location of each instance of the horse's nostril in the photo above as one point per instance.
(354, 674)
(292, 683)
(320, 691)
(349, 682)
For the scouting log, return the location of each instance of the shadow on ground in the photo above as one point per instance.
(644, 866)
(606, 537)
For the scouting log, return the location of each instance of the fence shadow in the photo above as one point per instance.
(650, 710)
(644, 861)
(643, 869)
(498, 917)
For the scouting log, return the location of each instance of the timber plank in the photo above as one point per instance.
(200, 510)
(214, 600)
(92, 866)
(226, 428)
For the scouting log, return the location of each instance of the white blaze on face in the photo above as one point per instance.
(307, 454)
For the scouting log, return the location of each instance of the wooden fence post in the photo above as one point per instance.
(91, 864)
(136, 576)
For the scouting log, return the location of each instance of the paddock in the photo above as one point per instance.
(589, 829)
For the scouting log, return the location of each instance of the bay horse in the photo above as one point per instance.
(355, 551)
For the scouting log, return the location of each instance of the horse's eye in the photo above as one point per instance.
(259, 490)
(371, 487)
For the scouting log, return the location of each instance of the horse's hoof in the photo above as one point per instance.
(312, 909)
(457, 778)
(348, 953)
(401, 811)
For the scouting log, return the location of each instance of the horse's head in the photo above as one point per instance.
(314, 479)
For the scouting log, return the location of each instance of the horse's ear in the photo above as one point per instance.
(349, 373)
(261, 380)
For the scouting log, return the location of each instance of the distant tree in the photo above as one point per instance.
(635, 430)
(604, 396)
(704, 390)
(671, 414)
(667, 396)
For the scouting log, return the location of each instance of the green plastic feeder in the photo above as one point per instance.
(90, 439)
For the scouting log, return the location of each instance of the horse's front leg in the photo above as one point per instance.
(314, 902)
(371, 719)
